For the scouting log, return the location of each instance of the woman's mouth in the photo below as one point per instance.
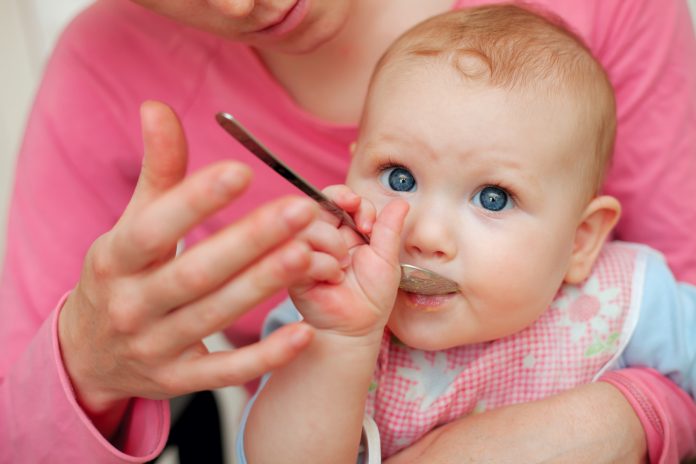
(288, 21)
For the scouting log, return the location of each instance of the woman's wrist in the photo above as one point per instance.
(104, 408)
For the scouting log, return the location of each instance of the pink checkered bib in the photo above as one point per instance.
(584, 330)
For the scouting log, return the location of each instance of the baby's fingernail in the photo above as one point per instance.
(345, 261)
(295, 256)
(339, 278)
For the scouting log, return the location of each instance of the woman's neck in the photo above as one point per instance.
(331, 81)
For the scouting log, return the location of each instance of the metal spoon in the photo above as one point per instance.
(414, 279)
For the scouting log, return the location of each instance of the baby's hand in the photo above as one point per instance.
(357, 300)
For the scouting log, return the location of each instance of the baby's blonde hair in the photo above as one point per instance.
(520, 48)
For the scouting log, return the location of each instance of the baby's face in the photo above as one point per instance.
(494, 199)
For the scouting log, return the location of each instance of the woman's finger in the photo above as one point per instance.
(207, 266)
(219, 309)
(145, 236)
(165, 152)
(236, 367)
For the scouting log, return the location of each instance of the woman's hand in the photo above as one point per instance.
(134, 324)
(355, 300)
(590, 424)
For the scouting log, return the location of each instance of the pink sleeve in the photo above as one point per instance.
(650, 53)
(667, 413)
(40, 419)
(649, 50)
(75, 173)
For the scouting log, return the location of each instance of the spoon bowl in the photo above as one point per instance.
(414, 279)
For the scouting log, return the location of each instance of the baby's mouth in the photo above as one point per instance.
(428, 303)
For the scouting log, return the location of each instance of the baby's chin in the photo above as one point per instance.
(435, 323)
(419, 341)
(423, 336)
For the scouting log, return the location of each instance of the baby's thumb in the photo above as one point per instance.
(386, 233)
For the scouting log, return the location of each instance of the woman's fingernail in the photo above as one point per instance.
(298, 212)
(228, 180)
(300, 336)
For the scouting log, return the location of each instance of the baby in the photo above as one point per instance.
(495, 126)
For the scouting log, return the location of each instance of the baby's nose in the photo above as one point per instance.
(431, 235)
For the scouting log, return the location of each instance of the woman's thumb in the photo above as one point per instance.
(165, 151)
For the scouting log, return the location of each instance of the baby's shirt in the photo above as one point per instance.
(629, 312)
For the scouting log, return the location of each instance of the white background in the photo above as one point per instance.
(27, 31)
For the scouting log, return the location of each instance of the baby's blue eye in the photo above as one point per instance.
(493, 199)
(398, 179)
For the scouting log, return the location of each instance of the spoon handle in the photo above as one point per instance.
(413, 279)
(236, 130)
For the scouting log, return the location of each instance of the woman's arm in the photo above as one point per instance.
(71, 391)
(590, 424)
(667, 414)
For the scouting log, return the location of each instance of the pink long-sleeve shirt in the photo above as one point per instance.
(82, 153)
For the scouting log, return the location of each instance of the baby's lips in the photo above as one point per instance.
(429, 303)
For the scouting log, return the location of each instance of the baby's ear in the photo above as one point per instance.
(598, 220)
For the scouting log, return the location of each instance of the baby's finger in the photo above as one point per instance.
(343, 196)
(241, 365)
(365, 216)
(325, 268)
(361, 209)
(325, 238)
(386, 233)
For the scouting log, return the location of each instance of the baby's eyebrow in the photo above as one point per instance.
(515, 170)
(385, 140)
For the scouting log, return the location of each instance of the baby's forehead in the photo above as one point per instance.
(588, 108)
(529, 128)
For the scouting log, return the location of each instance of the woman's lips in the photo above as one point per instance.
(428, 302)
(289, 20)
